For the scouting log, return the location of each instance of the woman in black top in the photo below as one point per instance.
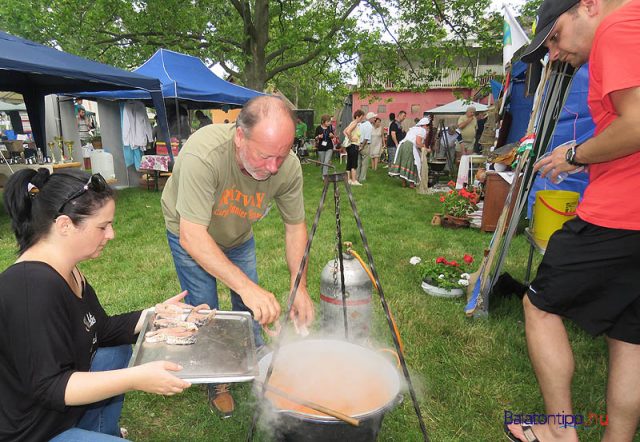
(53, 329)
(325, 140)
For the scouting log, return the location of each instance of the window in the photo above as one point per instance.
(382, 108)
(365, 108)
(415, 109)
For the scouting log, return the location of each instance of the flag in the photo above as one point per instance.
(514, 37)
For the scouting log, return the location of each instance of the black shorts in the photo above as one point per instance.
(590, 274)
(352, 157)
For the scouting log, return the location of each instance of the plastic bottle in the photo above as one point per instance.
(39, 156)
(562, 175)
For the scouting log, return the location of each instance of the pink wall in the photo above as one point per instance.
(397, 101)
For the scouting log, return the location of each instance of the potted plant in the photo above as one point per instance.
(96, 141)
(457, 205)
(444, 278)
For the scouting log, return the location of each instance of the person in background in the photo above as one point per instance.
(301, 133)
(376, 142)
(467, 125)
(222, 183)
(589, 272)
(481, 119)
(352, 138)
(448, 139)
(203, 120)
(84, 126)
(364, 148)
(396, 134)
(325, 139)
(78, 105)
(63, 360)
(407, 162)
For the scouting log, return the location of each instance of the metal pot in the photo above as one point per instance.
(331, 368)
(358, 290)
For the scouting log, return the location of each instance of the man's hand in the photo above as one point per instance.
(302, 312)
(262, 303)
(554, 164)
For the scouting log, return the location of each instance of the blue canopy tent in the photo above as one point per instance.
(520, 106)
(35, 70)
(187, 79)
(574, 123)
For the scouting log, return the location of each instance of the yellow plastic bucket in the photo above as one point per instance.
(551, 210)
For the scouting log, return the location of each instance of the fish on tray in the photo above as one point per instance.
(172, 336)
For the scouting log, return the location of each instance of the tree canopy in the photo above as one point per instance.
(305, 48)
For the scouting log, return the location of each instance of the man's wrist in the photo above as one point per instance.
(571, 156)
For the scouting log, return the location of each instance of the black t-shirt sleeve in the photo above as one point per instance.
(113, 330)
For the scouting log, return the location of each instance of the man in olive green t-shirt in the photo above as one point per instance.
(222, 182)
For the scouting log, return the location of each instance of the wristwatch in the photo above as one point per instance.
(570, 156)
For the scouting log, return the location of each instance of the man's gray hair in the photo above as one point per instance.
(259, 108)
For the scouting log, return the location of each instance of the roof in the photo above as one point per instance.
(26, 65)
(186, 78)
(457, 107)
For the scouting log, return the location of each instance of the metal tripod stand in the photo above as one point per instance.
(336, 179)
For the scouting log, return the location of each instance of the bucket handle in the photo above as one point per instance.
(553, 209)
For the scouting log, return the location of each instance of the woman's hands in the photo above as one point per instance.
(156, 377)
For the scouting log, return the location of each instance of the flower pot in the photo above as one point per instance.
(437, 219)
(433, 290)
(455, 222)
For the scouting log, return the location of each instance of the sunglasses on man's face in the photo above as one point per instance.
(96, 183)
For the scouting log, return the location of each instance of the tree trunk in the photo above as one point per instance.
(256, 68)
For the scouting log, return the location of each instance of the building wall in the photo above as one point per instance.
(414, 103)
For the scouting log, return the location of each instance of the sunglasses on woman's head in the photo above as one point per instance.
(96, 183)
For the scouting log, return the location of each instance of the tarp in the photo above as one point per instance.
(519, 106)
(186, 78)
(8, 107)
(574, 123)
(35, 70)
(457, 107)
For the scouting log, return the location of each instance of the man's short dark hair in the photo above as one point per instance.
(402, 113)
(392, 116)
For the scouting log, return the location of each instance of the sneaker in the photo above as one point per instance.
(356, 183)
(221, 400)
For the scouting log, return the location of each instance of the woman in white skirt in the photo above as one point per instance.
(376, 143)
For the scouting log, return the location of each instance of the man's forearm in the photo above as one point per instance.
(619, 139)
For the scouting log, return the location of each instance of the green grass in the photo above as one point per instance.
(467, 371)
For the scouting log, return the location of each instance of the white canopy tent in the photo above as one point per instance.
(457, 107)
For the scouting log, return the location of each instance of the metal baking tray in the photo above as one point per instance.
(224, 351)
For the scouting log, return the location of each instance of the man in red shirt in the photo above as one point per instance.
(589, 271)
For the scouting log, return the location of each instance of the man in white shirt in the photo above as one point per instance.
(366, 128)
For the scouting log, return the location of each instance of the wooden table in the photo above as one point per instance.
(6, 170)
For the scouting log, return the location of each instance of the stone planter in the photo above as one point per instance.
(453, 222)
(440, 292)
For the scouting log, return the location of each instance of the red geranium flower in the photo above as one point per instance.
(442, 199)
(468, 258)
(440, 259)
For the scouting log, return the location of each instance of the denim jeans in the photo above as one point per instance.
(324, 156)
(203, 288)
(391, 154)
(101, 420)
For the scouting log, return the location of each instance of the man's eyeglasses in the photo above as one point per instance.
(96, 183)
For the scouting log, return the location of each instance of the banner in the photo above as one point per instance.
(514, 37)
